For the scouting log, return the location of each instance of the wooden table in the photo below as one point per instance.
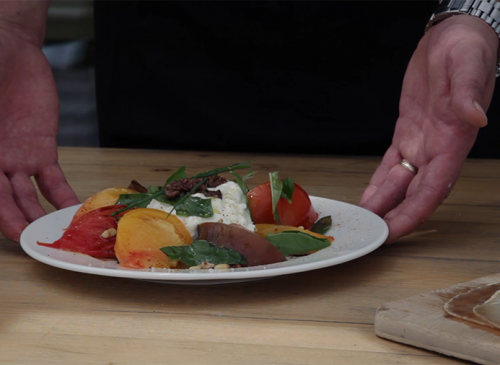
(52, 316)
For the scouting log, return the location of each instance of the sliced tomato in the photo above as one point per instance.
(300, 213)
(85, 234)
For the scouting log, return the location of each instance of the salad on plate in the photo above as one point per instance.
(203, 221)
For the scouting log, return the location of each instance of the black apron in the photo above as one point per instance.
(291, 77)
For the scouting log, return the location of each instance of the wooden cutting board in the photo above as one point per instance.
(422, 322)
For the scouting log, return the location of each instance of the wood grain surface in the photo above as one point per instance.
(52, 316)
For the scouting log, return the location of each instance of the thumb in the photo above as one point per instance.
(472, 113)
(470, 94)
(471, 67)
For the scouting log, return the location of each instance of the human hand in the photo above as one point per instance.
(29, 110)
(447, 86)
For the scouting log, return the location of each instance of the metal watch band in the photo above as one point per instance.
(487, 10)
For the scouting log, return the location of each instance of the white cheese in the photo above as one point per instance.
(232, 208)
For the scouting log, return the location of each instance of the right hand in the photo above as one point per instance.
(29, 113)
(447, 86)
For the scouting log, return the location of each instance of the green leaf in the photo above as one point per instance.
(248, 175)
(157, 192)
(195, 206)
(190, 206)
(240, 180)
(177, 175)
(288, 188)
(236, 166)
(203, 251)
(276, 189)
(296, 242)
(139, 200)
(187, 195)
(139, 203)
(154, 189)
(322, 225)
(161, 198)
(241, 183)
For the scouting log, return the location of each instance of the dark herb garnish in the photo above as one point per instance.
(322, 225)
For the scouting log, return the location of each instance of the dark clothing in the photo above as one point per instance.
(294, 77)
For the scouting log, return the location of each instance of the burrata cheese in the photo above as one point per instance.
(231, 209)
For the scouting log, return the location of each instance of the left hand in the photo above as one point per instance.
(447, 86)
(29, 114)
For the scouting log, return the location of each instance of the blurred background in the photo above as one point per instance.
(69, 49)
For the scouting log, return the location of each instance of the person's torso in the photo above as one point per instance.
(309, 77)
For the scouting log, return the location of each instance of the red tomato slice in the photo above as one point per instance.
(300, 213)
(85, 234)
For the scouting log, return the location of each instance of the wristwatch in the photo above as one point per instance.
(487, 10)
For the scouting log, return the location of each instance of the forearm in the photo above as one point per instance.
(28, 96)
(25, 19)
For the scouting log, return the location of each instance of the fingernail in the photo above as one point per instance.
(481, 111)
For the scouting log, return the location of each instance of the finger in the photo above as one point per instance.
(410, 214)
(390, 158)
(55, 188)
(388, 185)
(26, 196)
(426, 192)
(391, 192)
(12, 219)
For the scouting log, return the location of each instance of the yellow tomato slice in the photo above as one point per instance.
(141, 234)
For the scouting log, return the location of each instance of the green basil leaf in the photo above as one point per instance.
(241, 183)
(195, 206)
(187, 195)
(248, 175)
(240, 180)
(236, 166)
(177, 175)
(139, 200)
(154, 189)
(322, 225)
(144, 201)
(203, 251)
(276, 189)
(288, 188)
(296, 242)
(161, 197)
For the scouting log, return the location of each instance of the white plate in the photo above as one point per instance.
(357, 232)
